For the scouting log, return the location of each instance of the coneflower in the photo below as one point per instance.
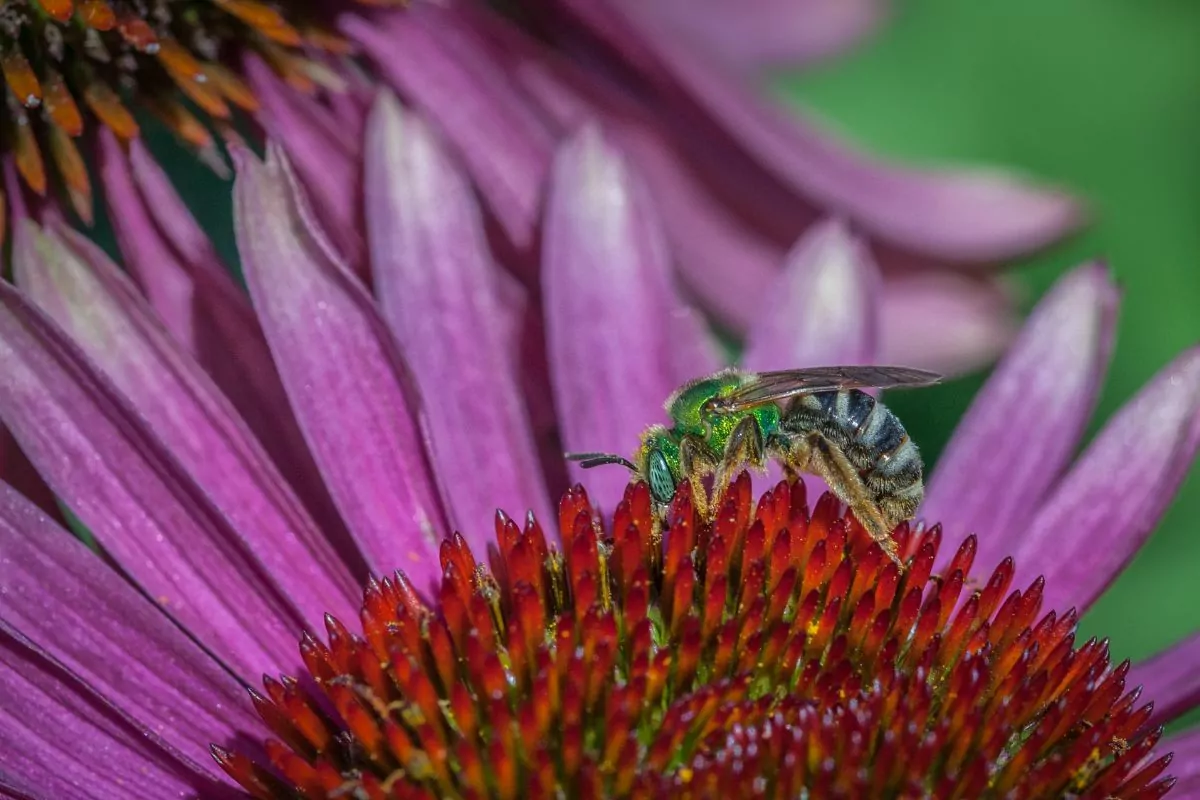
(588, 652)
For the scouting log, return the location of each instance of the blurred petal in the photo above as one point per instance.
(132, 495)
(1185, 766)
(990, 479)
(56, 592)
(342, 373)
(440, 69)
(97, 306)
(226, 338)
(1111, 500)
(945, 321)
(770, 33)
(329, 165)
(61, 740)
(824, 307)
(962, 215)
(439, 290)
(619, 338)
(1172, 680)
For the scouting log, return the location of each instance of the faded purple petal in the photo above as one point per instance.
(442, 70)
(56, 592)
(824, 307)
(1110, 501)
(439, 290)
(100, 309)
(128, 490)
(342, 373)
(328, 162)
(1172, 680)
(990, 479)
(751, 34)
(60, 740)
(225, 338)
(961, 215)
(616, 327)
(1185, 765)
(947, 322)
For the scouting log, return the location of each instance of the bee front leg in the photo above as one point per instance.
(812, 453)
(745, 446)
(696, 461)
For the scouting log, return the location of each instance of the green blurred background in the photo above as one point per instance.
(1102, 96)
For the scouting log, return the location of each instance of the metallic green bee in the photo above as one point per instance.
(828, 427)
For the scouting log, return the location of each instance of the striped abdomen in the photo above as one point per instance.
(873, 441)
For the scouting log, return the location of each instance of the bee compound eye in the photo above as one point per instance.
(662, 482)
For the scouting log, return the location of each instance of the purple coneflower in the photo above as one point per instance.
(771, 650)
(737, 179)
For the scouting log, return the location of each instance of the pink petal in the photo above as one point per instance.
(342, 373)
(975, 216)
(224, 334)
(824, 307)
(947, 322)
(619, 339)
(439, 290)
(442, 70)
(769, 33)
(131, 493)
(58, 594)
(1110, 501)
(1172, 680)
(99, 308)
(329, 165)
(61, 740)
(1185, 765)
(1024, 425)
(155, 265)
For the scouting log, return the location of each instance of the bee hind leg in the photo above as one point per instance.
(814, 454)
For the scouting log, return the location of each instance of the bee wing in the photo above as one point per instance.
(769, 387)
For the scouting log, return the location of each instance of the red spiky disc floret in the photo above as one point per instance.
(68, 64)
(765, 654)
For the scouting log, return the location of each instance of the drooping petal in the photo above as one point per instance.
(944, 321)
(1171, 678)
(330, 166)
(770, 33)
(100, 309)
(226, 337)
(1110, 501)
(619, 338)
(60, 740)
(342, 372)
(990, 476)
(149, 257)
(441, 70)
(974, 216)
(57, 593)
(439, 290)
(824, 307)
(134, 498)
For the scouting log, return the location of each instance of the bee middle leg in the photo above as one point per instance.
(745, 446)
(812, 453)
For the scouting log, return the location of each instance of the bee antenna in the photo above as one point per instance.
(589, 460)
